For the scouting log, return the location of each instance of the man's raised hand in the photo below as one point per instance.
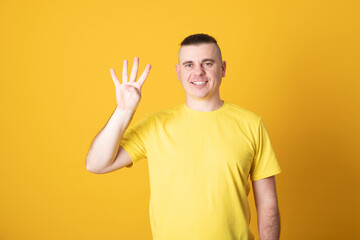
(128, 93)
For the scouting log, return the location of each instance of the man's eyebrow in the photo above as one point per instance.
(208, 60)
(204, 60)
(187, 62)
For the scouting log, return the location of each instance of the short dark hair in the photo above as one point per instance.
(200, 38)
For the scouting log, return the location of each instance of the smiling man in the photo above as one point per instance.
(200, 71)
(200, 154)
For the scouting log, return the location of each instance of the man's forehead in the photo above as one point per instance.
(204, 50)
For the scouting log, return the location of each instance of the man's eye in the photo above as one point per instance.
(187, 65)
(208, 64)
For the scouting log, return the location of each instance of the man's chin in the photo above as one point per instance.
(200, 97)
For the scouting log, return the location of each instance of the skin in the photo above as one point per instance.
(128, 93)
(267, 208)
(106, 154)
(201, 63)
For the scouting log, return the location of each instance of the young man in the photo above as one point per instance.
(200, 154)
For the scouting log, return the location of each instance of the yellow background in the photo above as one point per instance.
(295, 63)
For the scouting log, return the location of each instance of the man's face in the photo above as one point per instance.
(200, 70)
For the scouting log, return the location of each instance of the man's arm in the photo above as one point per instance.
(106, 154)
(267, 208)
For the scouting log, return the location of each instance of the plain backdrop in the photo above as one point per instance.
(295, 63)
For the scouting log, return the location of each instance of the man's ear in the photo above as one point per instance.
(177, 69)
(223, 68)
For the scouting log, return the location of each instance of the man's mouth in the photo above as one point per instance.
(199, 83)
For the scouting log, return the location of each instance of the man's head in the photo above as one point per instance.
(200, 68)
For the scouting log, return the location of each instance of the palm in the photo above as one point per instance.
(128, 93)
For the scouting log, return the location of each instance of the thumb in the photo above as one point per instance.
(132, 89)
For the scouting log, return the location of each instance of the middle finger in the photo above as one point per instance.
(125, 72)
(134, 70)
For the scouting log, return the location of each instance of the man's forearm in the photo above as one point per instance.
(269, 223)
(105, 146)
(267, 208)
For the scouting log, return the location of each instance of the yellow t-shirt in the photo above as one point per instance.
(199, 165)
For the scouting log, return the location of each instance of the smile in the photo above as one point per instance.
(199, 83)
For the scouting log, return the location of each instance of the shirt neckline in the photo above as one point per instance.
(201, 113)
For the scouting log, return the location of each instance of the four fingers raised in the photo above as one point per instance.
(133, 75)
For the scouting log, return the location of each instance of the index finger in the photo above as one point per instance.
(144, 75)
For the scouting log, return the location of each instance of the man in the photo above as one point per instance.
(200, 154)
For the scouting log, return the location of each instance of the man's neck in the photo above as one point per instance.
(204, 105)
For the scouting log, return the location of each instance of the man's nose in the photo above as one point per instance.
(199, 70)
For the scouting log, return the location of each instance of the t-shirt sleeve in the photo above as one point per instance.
(134, 140)
(265, 163)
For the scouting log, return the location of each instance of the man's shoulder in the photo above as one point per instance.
(239, 112)
(165, 113)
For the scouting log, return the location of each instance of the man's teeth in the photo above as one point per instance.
(199, 83)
